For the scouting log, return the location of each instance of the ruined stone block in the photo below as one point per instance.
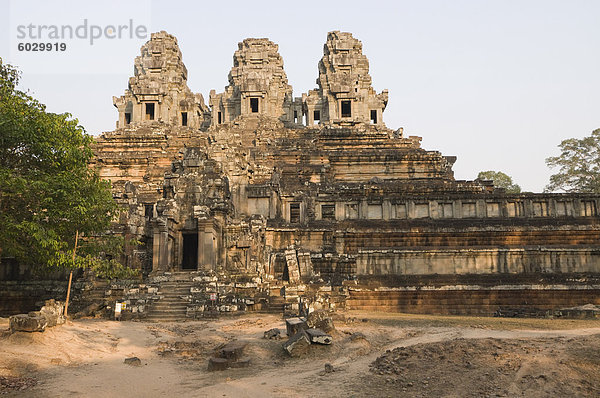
(297, 345)
(133, 361)
(243, 362)
(294, 325)
(317, 336)
(27, 323)
(216, 364)
(320, 319)
(232, 350)
(53, 312)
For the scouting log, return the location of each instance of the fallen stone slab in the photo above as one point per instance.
(320, 319)
(232, 350)
(297, 345)
(133, 361)
(272, 334)
(27, 323)
(216, 364)
(294, 325)
(317, 336)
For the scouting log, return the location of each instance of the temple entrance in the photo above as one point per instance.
(190, 251)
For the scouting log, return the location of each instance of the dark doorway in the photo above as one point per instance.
(254, 105)
(286, 273)
(190, 251)
(184, 118)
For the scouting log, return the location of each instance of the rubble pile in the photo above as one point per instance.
(303, 332)
(51, 314)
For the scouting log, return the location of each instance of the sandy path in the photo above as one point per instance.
(85, 357)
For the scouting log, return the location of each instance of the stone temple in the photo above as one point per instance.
(267, 199)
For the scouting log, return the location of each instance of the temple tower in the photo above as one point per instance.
(158, 90)
(258, 85)
(345, 95)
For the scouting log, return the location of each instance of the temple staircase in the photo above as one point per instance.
(172, 306)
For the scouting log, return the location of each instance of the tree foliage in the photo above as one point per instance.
(578, 165)
(47, 190)
(501, 180)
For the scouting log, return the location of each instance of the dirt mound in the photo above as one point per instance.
(533, 368)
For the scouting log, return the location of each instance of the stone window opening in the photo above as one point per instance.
(184, 120)
(316, 116)
(294, 213)
(149, 111)
(219, 117)
(374, 116)
(346, 108)
(254, 105)
(328, 212)
(295, 116)
(127, 118)
(149, 210)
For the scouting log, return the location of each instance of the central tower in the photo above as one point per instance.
(258, 85)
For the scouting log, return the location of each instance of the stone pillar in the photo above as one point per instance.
(206, 245)
(164, 247)
(160, 246)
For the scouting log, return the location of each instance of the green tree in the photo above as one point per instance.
(579, 165)
(47, 190)
(500, 179)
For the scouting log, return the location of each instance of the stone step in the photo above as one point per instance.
(174, 294)
(168, 312)
(173, 297)
(180, 314)
(160, 307)
(173, 319)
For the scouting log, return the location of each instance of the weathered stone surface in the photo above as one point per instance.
(27, 323)
(320, 319)
(317, 336)
(294, 325)
(297, 345)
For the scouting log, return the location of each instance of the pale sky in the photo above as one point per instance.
(498, 84)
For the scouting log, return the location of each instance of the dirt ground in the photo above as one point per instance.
(379, 355)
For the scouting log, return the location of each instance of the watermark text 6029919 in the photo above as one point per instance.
(42, 46)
